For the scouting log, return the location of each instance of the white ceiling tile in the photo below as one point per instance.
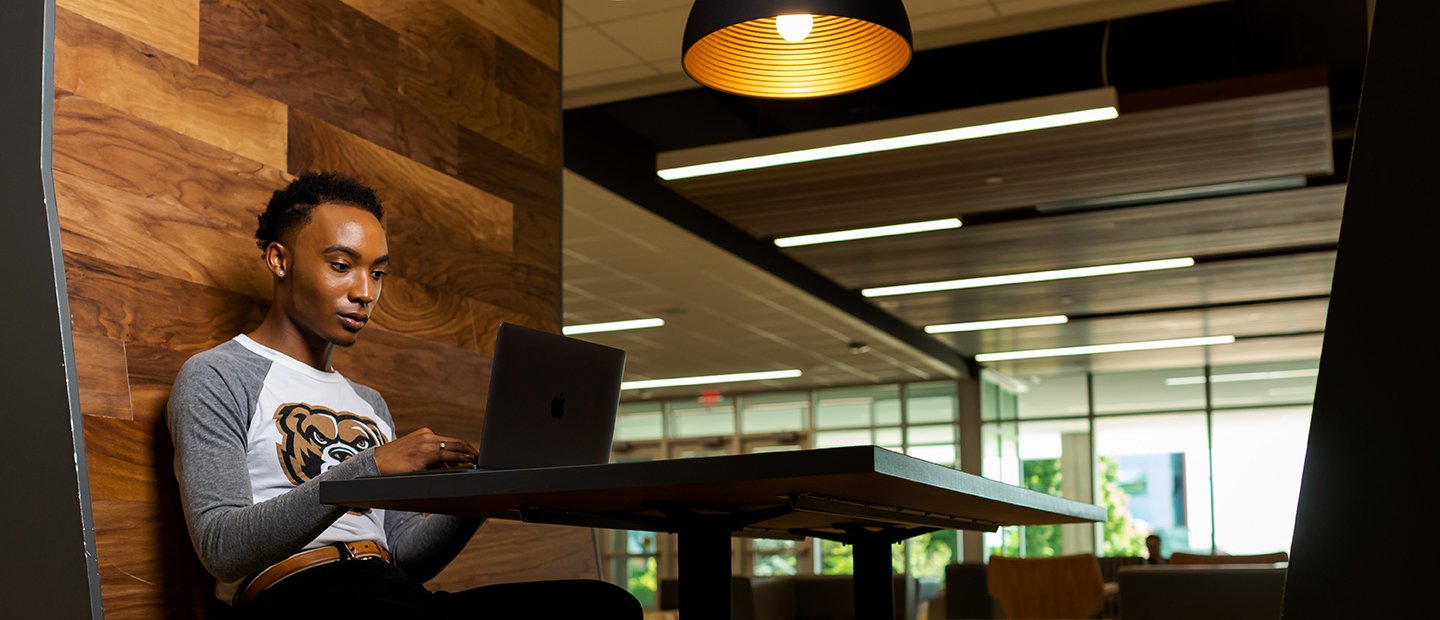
(587, 50)
(654, 37)
(599, 11)
(623, 74)
(571, 19)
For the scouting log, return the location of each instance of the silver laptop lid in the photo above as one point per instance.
(552, 401)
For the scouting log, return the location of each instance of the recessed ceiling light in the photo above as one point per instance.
(975, 326)
(709, 379)
(613, 326)
(1093, 349)
(889, 135)
(869, 233)
(1033, 276)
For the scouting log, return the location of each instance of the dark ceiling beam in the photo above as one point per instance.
(612, 156)
(1195, 308)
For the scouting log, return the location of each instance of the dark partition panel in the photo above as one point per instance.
(1362, 539)
(49, 562)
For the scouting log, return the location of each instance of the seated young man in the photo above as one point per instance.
(261, 419)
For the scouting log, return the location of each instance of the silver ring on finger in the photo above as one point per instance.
(442, 446)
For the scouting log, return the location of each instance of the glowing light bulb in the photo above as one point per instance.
(794, 28)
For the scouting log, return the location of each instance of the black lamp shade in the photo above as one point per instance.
(735, 47)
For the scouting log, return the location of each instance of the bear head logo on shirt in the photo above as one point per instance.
(315, 438)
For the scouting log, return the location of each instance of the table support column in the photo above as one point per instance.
(704, 573)
(874, 583)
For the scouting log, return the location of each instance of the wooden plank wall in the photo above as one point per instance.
(175, 119)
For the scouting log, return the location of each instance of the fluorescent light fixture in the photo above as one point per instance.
(709, 379)
(613, 326)
(975, 326)
(894, 134)
(869, 233)
(1034, 276)
(1171, 195)
(1245, 376)
(1093, 349)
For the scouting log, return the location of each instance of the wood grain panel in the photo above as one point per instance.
(138, 306)
(488, 317)
(509, 174)
(102, 144)
(392, 362)
(451, 65)
(101, 64)
(528, 80)
(152, 373)
(241, 48)
(509, 552)
(147, 566)
(169, 25)
(121, 457)
(528, 27)
(414, 309)
(102, 377)
(129, 230)
(443, 232)
(328, 28)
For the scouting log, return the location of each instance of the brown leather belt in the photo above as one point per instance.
(306, 560)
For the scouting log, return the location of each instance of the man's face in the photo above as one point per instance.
(337, 263)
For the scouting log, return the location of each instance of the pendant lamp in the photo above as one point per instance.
(795, 49)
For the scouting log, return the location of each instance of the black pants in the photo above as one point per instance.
(374, 589)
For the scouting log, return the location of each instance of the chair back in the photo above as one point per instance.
(1182, 558)
(1068, 586)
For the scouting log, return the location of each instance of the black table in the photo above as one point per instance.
(865, 496)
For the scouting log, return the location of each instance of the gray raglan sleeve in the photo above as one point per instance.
(421, 544)
(208, 415)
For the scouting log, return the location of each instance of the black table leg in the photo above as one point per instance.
(874, 585)
(704, 573)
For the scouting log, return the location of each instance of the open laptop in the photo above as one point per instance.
(552, 401)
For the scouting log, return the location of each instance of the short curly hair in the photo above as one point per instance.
(290, 206)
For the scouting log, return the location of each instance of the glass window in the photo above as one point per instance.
(692, 419)
(1153, 477)
(834, 439)
(1053, 457)
(854, 407)
(999, 395)
(1263, 384)
(930, 402)
(1150, 390)
(640, 421)
(774, 413)
(775, 557)
(1050, 397)
(934, 433)
(1259, 458)
(888, 437)
(940, 455)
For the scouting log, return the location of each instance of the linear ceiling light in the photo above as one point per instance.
(795, 49)
(1033, 276)
(894, 134)
(869, 233)
(975, 326)
(1093, 349)
(613, 326)
(1245, 376)
(709, 379)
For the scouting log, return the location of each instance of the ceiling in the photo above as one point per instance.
(1212, 93)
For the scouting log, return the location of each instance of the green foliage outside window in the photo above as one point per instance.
(1121, 537)
(1041, 541)
(644, 580)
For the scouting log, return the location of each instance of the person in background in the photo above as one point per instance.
(1152, 546)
